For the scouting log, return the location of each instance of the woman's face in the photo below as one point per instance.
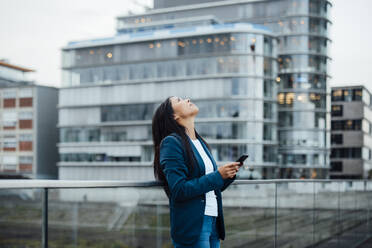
(183, 108)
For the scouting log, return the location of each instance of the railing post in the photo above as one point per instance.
(339, 213)
(158, 226)
(314, 212)
(368, 216)
(276, 216)
(44, 227)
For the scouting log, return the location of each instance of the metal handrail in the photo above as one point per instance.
(45, 185)
(36, 183)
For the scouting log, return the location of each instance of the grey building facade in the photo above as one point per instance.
(28, 127)
(351, 135)
(222, 54)
(108, 127)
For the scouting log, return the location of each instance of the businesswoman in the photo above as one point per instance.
(193, 183)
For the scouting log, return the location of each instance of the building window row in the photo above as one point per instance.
(170, 48)
(346, 125)
(306, 63)
(349, 152)
(337, 110)
(305, 138)
(221, 152)
(216, 130)
(207, 109)
(170, 69)
(10, 120)
(295, 25)
(247, 87)
(337, 139)
(11, 145)
(24, 164)
(302, 100)
(302, 81)
(300, 159)
(302, 119)
(11, 102)
(96, 157)
(303, 43)
(347, 95)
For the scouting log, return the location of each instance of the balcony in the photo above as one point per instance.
(258, 213)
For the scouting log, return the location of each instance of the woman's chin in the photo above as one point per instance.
(196, 111)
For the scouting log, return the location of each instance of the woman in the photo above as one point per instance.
(191, 179)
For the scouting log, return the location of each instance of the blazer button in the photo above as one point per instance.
(202, 200)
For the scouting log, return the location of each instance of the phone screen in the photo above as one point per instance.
(242, 158)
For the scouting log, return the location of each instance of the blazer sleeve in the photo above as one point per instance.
(227, 182)
(176, 171)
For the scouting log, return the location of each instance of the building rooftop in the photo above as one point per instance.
(190, 7)
(170, 33)
(3, 63)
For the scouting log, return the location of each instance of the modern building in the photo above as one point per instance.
(11, 75)
(223, 55)
(351, 136)
(28, 126)
(113, 87)
(303, 95)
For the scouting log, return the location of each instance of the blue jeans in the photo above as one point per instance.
(208, 236)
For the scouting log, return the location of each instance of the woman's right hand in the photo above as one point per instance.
(229, 170)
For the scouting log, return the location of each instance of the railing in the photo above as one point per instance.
(257, 213)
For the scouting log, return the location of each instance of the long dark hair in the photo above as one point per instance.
(163, 124)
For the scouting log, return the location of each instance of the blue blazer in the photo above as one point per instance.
(187, 190)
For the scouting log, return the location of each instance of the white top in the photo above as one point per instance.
(210, 197)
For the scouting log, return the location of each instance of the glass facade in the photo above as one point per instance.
(237, 106)
(258, 93)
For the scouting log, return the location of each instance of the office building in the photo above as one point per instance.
(178, 49)
(105, 115)
(28, 126)
(351, 136)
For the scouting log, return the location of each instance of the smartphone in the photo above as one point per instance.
(242, 158)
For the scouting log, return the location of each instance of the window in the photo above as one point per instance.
(9, 119)
(350, 152)
(25, 92)
(294, 159)
(8, 94)
(268, 88)
(25, 159)
(346, 125)
(357, 125)
(357, 94)
(348, 95)
(268, 111)
(25, 137)
(336, 166)
(337, 95)
(337, 110)
(336, 139)
(268, 132)
(25, 115)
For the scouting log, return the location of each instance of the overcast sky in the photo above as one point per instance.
(32, 33)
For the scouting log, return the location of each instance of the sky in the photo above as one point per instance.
(32, 33)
